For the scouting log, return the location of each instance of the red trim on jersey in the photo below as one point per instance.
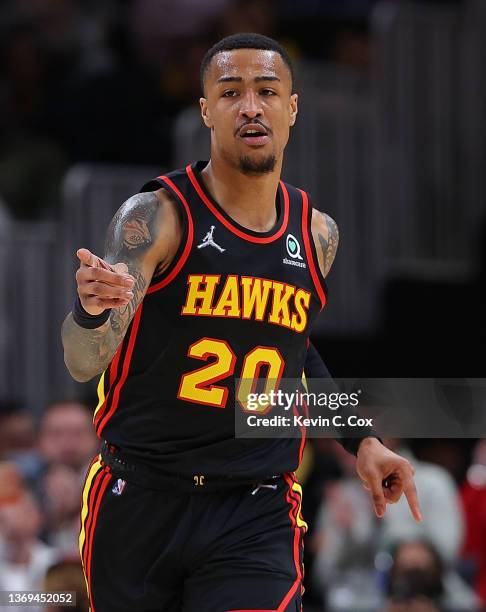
(308, 249)
(93, 495)
(113, 374)
(229, 225)
(297, 533)
(114, 365)
(89, 503)
(190, 237)
(294, 507)
(125, 368)
(104, 484)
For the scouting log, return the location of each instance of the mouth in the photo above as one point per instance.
(254, 134)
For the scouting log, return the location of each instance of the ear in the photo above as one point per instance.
(293, 108)
(203, 103)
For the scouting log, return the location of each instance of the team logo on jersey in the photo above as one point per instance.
(293, 249)
(247, 297)
(118, 487)
(209, 241)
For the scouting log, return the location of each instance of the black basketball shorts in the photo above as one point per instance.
(230, 550)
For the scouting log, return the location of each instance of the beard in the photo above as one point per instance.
(247, 165)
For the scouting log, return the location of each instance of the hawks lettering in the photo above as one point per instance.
(246, 297)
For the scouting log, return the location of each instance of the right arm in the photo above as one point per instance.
(141, 241)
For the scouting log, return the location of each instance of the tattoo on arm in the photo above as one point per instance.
(132, 232)
(328, 244)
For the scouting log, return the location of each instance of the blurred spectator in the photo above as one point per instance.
(17, 431)
(347, 534)
(11, 484)
(67, 575)
(419, 582)
(18, 441)
(473, 494)
(415, 580)
(24, 559)
(67, 443)
(344, 542)
(442, 523)
(67, 436)
(61, 498)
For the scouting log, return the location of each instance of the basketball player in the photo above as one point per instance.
(211, 273)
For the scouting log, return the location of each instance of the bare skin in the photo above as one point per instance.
(141, 241)
(246, 90)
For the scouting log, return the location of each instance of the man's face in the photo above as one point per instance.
(67, 436)
(249, 107)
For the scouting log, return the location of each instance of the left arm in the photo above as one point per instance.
(383, 473)
(326, 239)
(350, 438)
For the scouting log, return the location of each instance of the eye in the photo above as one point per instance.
(229, 93)
(267, 92)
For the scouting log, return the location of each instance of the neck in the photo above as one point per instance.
(249, 199)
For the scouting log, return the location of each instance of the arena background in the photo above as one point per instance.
(98, 96)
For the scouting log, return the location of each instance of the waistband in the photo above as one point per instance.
(133, 471)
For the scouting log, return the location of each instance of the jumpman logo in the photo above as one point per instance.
(208, 241)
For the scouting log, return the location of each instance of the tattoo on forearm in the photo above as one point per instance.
(121, 317)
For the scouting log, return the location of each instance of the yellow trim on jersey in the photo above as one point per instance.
(101, 393)
(84, 509)
(300, 521)
(304, 381)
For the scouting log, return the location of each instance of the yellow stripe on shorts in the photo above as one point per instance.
(95, 468)
(300, 521)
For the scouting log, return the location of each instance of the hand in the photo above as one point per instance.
(101, 285)
(386, 476)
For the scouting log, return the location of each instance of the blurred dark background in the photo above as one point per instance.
(96, 97)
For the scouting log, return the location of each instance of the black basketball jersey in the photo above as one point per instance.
(233, 304)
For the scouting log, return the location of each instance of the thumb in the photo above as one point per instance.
(87, 258)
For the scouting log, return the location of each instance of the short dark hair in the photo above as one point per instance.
(247, 40)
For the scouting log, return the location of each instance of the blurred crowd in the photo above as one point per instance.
(101, 81)
(42, 469)
(353, 560)
(360, 563)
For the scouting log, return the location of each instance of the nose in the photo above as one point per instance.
(250, 106)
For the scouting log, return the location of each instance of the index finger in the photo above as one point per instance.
(410, 491)
(110, 277)
(88, 258)
(376, 490)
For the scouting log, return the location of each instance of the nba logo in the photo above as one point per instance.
(118, 487)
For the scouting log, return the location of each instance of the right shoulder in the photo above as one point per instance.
(146, 221)
(148, 204)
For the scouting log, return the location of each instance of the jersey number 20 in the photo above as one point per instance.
(197, 386)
